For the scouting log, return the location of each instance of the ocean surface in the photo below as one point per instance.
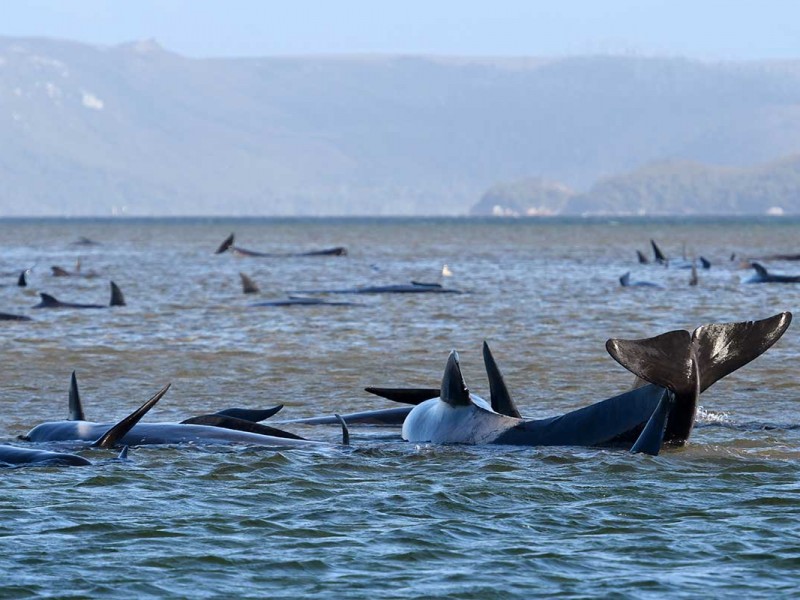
(383, 518)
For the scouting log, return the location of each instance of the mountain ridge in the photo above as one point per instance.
(137, 129)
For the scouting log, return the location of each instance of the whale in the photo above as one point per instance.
(11, 455)
(413, 287)
(21, 281)
(672, 369)
(228, 245)
(61, 272)
(660, 258)
(231, 426)
(48, 301)
(13, 317)
(293, 300)
(625, 281)
(763, 276)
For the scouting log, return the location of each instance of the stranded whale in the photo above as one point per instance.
(764, 276)
(228, 245)
(678, 366)
(414, 287)
(233, 426)
(48, 301)
(15, 455)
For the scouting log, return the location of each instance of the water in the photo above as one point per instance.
(384, 518)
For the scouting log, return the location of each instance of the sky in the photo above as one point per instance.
(703, 29)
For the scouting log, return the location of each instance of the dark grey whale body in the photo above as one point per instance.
(48, 301)
(232, 426)
(108, 437)
(414, 287)
(13, 317)
(227, 245)
(678, 366)
(764, 276)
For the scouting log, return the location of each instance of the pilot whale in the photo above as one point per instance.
(228, 245)
(675, 368)
(764, 276)
(232, 426)
(413, 287)
(48, 301)
(15, 455)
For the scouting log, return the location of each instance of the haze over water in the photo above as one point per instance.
(385, 518)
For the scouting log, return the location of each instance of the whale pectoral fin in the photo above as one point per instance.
(117, 299)
(345, 430)
(253, 415)
(75, 406)
(499, 395)
(652, 436)
(664, 360)
(721, 348)
(110, 438)
(225, 245)
(226, 422)
(405, 395)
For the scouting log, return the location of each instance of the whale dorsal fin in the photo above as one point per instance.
(762, 272)
(625, 280)
(117, 299)
(110, 438)
(75, 406)
(642, 258)
(48, 301)
(454, 391)
(660, 258)
(22, 281)
(59, 272)
(225, 245)
(248, 285)
(499, 395)
(721, 348)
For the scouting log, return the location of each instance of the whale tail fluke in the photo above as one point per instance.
(225, 245)
(688, 364)
(499, 395)
(112, 437)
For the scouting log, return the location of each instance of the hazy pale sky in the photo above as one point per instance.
(709, 29)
